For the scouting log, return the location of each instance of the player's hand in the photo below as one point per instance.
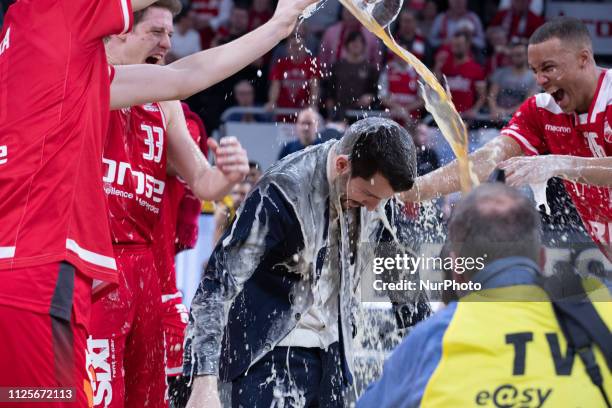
(287, 13)
(232, 159)
(535, 169)
(204, 393)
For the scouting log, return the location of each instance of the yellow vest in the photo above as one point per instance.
(513, 354)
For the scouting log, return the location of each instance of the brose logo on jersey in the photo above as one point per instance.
(99, 363)
(146, 185)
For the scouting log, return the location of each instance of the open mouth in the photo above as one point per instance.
(558, 95)
(154, 59)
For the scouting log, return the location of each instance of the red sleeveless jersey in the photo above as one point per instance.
(134, 168)
(541, 127)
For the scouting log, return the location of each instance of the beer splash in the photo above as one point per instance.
(376, 17)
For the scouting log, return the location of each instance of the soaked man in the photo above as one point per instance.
(289, 270)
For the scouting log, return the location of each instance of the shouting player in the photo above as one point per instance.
(564, 132)
(144, 143)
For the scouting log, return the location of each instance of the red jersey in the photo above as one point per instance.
(294, 77)
(462, 80)
(134, 167)
(541, 127)
(54, 107)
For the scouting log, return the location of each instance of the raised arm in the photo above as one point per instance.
(138, 84)
(445, 180)
(184, 156)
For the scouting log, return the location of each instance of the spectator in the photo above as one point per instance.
(427, 18)
(427, 158)
(237, 26)
(510, 86)
(407, 34)
(497, 49)
(518, 21)
(464, 76)
(244, 94)
(294, 79)
(512, 345)
(208, 16)
(335, 36)
(353, 79)
(259, 13)
(225, 211)
(186, 40)
(307, 127)
(398, 91)
(455, 18)
(254, 173)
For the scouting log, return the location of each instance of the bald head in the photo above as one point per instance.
(495, 221)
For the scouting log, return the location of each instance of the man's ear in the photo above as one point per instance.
(343, 165)
(584, 56)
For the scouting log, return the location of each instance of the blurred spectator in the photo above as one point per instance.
(208, 16)
(353, 79)
(398, 91)
(237, 26)
(427, 158)
(225, 210)
(254, 173)
(512, 85)
(497, 49)
(407, 35)
(464, 76)
(259, 13)
(186, 40)
(294, 79)
(457, 17)
(244, 94)
(307, 128)
(427, 17)
(518, 21)
(335, 36)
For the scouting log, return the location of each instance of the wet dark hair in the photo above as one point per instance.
(495, 221)
(566, 29)
(174, 6)
(380, 145)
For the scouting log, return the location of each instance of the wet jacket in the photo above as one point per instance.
(262, 270)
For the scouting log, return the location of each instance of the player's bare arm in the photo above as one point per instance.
(595, 171)
(186, 159)
(445, 180)
(138, 84)
(141, 4)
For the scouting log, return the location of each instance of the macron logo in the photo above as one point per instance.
(6, 41)
(562, 129)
